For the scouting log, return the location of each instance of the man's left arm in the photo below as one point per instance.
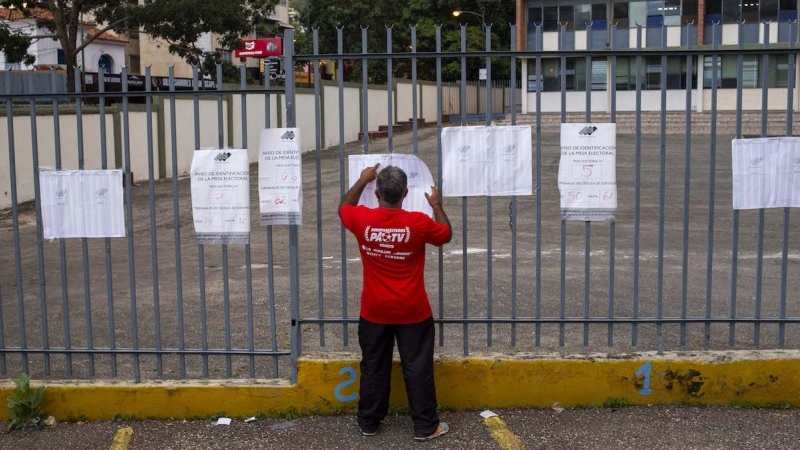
(351, 197)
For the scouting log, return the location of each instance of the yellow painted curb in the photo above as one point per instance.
(122, 439)
(330, 385)
(503, 435)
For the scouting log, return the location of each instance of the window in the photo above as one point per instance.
(599, 13)
(750, 10)
(566, 15)
(714, 9)
(638, 13)
(535, 16)
(621, 14)
(689, 12)
(583, 16)
(550, 18)
(788, 10)
(62, 58)
(599, 75)
(574, 75)
(778, 71)
(730, 11)
(672, 12)
(727, 72)
(769, 9)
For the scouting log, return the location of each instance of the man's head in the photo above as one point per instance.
(392, 187)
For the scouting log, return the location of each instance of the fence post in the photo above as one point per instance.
(294, 284)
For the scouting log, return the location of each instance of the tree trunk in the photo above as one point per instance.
(72, 62)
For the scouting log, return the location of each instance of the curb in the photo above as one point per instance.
(329, 384)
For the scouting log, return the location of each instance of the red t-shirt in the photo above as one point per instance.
(392, 245)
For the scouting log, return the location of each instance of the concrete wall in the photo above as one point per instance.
(209, 127)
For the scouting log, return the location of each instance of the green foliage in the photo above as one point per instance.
(25, 404)
(350, 16)
(291, 414)
(615, 403)
(14, 44)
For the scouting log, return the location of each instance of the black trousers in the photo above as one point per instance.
(415, 344)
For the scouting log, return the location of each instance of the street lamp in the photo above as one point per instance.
(483, 20)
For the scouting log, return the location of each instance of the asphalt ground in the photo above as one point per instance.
(322, 270)
(603, 429)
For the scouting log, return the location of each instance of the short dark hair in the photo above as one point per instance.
(392, 183)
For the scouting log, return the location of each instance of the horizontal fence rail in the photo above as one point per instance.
(677, 269)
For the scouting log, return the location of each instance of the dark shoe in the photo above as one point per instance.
(440, 431)
(367, 433)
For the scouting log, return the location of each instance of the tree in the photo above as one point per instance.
(327, 15)
(179, 23)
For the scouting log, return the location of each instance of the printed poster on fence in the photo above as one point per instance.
(419, 177)
(587, 172)
(280, 177)
(487, 161)
(766, 173)
(221, 196)
(82, 204)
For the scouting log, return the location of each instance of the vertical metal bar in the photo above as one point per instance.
(84, 242)
(438, 166)
(513, 104)
(414, 99)
(786, 211)
(176, 223)
(226, 293)
(390, 90)
(638, 187)
(662, 188)
(153, 229)
(365, 91)
(464, 255)
(201, 257)
(247, 250)
(62, 248)
(563, 288)
(489, 250)
(40, 225)
(587, 253)
(318, 154)
(761, 212)
(539, 84)
(112, 338)
(687, 175)
(342, 187)
(12, 168)
(612, 245)
(126, 138)
(294, 282)
(735, 242)
(273, 323)
(712, 182)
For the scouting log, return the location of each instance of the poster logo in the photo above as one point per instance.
(62, 193)
(509, 149)
(387, 235)
(413, 175)
(222, 157)
(249, 45)
(464, 149)
(288, 136)
(587, 131)
(755, 162)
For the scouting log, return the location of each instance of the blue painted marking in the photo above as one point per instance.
(338, 391)
(645, 371)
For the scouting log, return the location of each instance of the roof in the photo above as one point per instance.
(12, 15)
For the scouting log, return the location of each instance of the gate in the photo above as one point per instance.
(679, 269)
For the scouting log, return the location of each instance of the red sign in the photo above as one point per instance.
(259, 48)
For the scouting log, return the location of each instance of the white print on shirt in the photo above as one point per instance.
(387, 235)
(388, 254)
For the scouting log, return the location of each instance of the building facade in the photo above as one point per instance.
(553, 25)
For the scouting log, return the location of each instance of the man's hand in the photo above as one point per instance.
(433, 198)
(369, 174)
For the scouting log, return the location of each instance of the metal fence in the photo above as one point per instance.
(676, 268)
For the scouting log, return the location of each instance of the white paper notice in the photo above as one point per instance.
(280, 177)
(221, 196)
(587, 172)
(82, 204)
(766, 173)
(487, 161)
(419, 176)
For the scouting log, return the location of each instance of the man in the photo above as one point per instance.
(394, 303)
